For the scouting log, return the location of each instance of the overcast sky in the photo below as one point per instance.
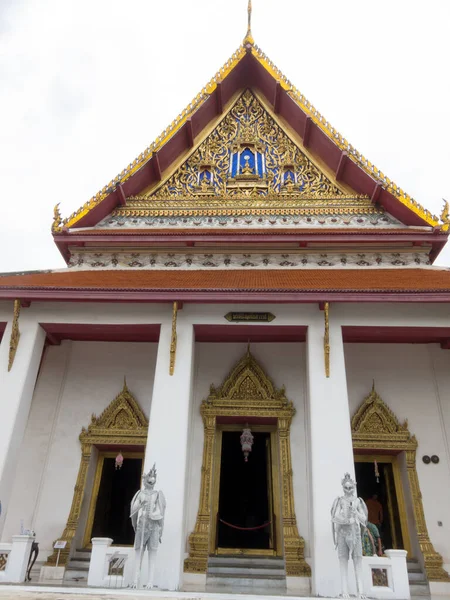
(86, 85)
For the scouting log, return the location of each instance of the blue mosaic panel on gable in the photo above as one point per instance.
(234, 162)
(260, 164)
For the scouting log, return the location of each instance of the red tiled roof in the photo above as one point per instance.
(355, 280)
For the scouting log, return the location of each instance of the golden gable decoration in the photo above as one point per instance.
(247, 154)
(374, 422)
(122, 423)
(248, 391)
(376, 428)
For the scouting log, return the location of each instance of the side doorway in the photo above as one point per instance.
(379, 484)
(112, 492)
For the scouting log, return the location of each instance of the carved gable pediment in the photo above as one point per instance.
(374, 425)
(247, 390)
(247, 154)
(123, 417)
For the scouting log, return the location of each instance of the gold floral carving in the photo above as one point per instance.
(247, 392)
(376, 428)
(173, 341)
(15, 335)
(326, 339)
(121, 424)
(247, 120)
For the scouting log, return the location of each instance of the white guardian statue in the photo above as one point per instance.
(147, 516)
(348, 517)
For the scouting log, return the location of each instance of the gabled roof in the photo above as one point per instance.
(250, 68)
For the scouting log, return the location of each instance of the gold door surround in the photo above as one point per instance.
(273, 477)
(247, 392)
(375, 428)
(96, 488)
(122, 424)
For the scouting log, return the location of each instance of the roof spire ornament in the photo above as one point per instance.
(248, 40)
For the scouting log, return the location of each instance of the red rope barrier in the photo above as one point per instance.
(245, 528)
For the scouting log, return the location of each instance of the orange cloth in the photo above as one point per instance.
(375, 511)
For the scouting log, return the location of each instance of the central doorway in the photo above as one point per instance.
(245, 506)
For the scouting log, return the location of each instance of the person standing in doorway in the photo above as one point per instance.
(375, 511)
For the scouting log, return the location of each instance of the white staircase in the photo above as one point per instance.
(78, 568)
(418, 584)
(252, 574)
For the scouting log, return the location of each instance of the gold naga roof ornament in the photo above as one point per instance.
(445, 216)
(310, 111)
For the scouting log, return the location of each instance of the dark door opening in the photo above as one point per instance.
(381, 500)
(112, 509)
(245, 496)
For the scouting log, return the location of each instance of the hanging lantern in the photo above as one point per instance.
(119, 461)
(246, 442)
(377, 472)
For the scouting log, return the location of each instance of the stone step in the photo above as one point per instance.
(234, 571)
(246, 561)
(246, 564)
(419, 589)
(79, 563)
(82, 554)
(73, 574)
(416, 577)
(238, 582)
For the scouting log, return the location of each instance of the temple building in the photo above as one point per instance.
(250, 282)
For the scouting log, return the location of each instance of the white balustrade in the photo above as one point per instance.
(17, 555)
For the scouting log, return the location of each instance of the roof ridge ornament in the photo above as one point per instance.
(248, 40)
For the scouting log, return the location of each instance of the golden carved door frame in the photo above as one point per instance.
(375, 428)
(121, 424)
(247, 392)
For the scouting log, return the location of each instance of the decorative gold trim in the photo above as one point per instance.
(376, 428)
(304, 204)
(15, 335)
(247, 392)
(121, 424)
(173, 341)
(326, 339)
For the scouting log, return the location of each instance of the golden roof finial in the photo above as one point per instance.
(249, 38)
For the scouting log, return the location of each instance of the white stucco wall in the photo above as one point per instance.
(414, 381)
(284, 364)
(76, 380)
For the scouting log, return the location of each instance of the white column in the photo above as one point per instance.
(167, 446)
(331, 451)
(16, 392)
